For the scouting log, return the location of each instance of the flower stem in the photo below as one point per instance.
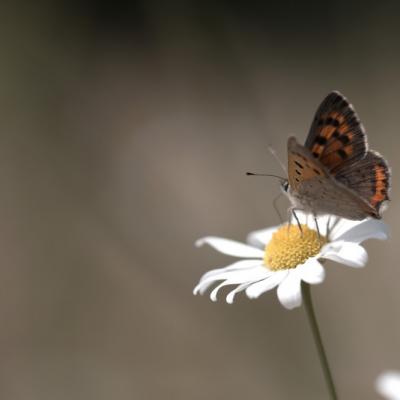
(306, 292)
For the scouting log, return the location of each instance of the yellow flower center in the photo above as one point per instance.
(290, 247)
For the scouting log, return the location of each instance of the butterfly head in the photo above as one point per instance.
(285, 185)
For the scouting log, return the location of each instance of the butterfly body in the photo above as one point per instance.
(334, 172)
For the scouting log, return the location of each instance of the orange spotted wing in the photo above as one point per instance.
(334, 172)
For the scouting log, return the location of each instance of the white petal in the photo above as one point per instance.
(340, 226)
(311, 271)
(261, 237)
(388, 385)
(231, 295)
(202, 286)
(351, 254)
(242, 264)
(238, 275)
(289, 290)
(231, 247)
(258, 288)
(367, 229)
(213, 294)
(232, 278)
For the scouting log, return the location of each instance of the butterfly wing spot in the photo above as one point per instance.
(372, 183)
(321, 140)
(326, 132)
(317, 171)
(381, 184)
(299, 165)
(329, 119)
(344, 139)
(344, 128)
(332, 121)
(342, 154)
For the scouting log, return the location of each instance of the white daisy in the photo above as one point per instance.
(283, 257)
(388, 385)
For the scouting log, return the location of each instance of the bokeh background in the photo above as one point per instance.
(126, 130)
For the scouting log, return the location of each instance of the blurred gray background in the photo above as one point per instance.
(125, 134)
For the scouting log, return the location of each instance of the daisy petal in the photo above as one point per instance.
(228, 273)
(311, 271)
(214, 292)
(350, 254)
(231, 278)
(388, 385)
(231, 295)
(244, 280)
(258, 288)
(339, 226)
(231, 247)
(323, 222)
(261, 237)
(289, 290)
(242, 264)
(367, 229)
(202, 286)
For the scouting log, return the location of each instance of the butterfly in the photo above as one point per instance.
(335, 172)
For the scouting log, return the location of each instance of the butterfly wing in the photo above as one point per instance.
(338, 141)
(317, 190)
(302, 166)
(369, 178)
(327, 196)
(336, 136)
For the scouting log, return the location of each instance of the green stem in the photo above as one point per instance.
(306, 292)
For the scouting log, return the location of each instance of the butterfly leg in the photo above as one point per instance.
(291, 211)
(317, 226)
(289, 215)
(275, 205)
(330, 225)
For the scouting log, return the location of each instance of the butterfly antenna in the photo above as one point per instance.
(281, 178)
(275, 155)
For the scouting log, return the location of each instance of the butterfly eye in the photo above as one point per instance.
(285, 186)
